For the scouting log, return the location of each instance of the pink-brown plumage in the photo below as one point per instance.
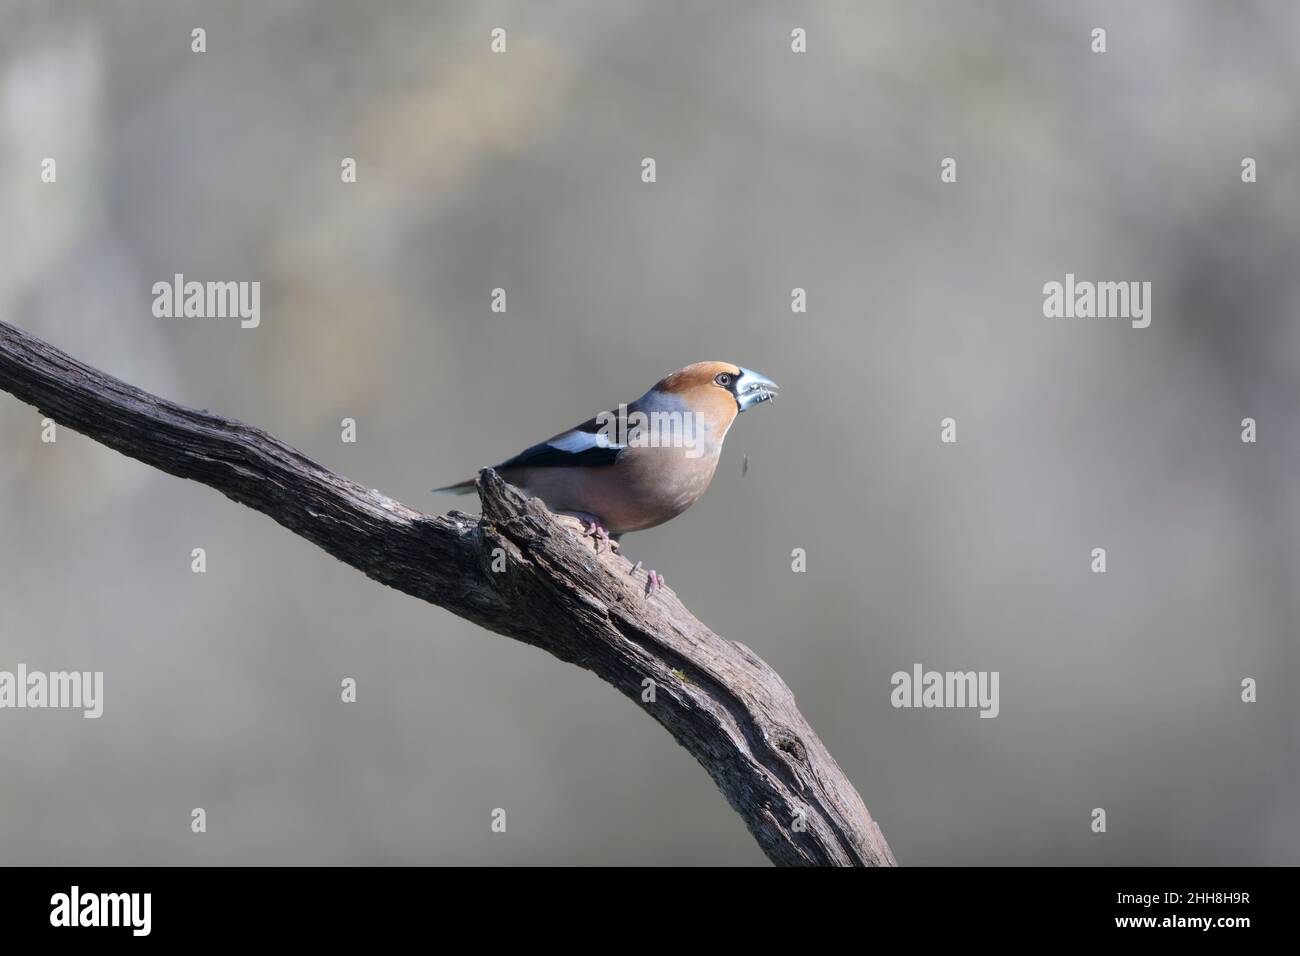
(652, 475)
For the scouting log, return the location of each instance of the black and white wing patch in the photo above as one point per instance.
(587, 445)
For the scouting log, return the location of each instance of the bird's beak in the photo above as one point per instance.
(754, 389)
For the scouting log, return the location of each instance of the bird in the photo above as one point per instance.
(640, 464)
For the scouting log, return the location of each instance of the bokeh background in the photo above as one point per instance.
(775, 170)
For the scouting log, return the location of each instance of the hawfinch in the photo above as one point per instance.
(641, 464)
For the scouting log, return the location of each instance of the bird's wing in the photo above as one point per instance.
(591, 443)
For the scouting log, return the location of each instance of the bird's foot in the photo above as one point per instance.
(654, 580)
(589, 526)
(596, 530)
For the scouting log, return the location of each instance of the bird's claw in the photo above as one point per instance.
(595, 530)
(654, 580)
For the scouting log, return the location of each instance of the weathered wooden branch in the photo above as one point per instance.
(716, 697)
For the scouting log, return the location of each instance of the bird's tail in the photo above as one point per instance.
(465, 487)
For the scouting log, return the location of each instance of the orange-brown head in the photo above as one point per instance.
(718, 390)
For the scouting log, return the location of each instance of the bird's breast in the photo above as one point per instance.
(643, 488)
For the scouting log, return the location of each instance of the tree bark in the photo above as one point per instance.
(716, 697)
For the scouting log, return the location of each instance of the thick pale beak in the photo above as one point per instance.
(754, 389)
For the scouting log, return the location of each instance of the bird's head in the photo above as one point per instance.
(719, 389)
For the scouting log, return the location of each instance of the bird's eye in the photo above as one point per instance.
(723, 379)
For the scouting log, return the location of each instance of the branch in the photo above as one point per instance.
(716, 697)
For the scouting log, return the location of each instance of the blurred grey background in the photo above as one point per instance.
(775, 170)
